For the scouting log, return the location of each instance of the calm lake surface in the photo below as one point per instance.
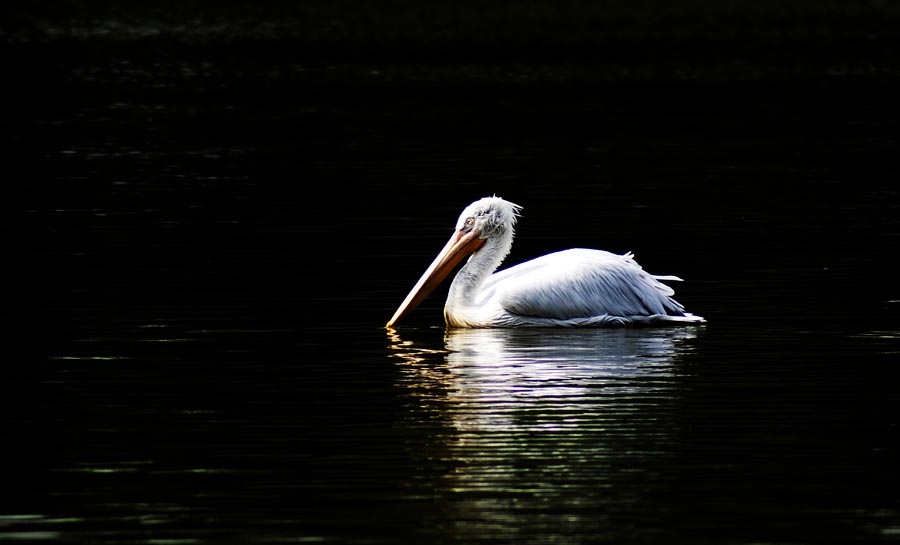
(211, 219)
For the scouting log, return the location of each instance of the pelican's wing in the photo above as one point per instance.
(582, 283)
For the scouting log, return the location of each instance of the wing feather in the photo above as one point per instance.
(582, 283)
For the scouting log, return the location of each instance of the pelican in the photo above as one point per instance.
(570, 288)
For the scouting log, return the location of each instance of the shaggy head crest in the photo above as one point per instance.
(488, 215)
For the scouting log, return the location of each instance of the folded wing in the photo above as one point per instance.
(581, 283)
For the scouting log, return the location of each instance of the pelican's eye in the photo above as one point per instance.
(470, 222)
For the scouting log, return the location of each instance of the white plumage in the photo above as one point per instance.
(570, 288)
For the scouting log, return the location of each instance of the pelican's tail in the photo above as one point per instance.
(669, 277)
(686, 318)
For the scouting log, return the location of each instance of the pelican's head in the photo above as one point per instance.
(490, 218)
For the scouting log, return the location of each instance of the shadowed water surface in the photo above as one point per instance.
(204, 433)
(211, 222)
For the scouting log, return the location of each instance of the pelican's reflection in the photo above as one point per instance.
(526, 423)
(491, 366)
(574, 380)
(537, 424)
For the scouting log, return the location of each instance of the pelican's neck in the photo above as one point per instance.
(468, 281)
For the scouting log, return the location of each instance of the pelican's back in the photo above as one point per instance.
(581, 284)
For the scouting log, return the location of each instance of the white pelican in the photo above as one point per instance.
(571, 288)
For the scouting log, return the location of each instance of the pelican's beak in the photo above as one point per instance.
(461, 245)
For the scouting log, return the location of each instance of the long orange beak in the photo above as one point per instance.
(461, 245)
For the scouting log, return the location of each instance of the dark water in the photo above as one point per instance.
(212, 215)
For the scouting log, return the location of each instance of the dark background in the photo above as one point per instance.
(312, 118)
